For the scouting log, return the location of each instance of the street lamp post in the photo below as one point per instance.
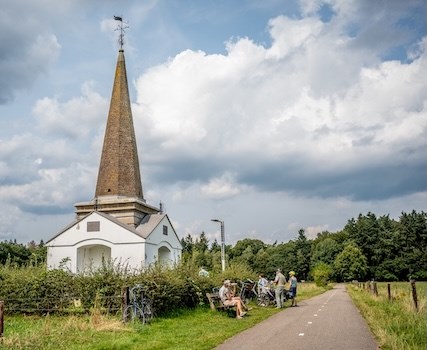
(222, 243)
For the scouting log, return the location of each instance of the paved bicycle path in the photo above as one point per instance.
(327, 321)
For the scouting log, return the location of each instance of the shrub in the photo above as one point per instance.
(38, 290)
(321, 274)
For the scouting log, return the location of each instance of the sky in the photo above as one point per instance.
(269, 115)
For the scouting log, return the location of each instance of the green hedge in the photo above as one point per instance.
(38, 290)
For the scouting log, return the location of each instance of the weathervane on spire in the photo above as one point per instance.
(121, 26)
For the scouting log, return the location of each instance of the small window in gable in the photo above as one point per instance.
(93, 226)
(165, 230)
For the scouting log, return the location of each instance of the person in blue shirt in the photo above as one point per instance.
(293, 287)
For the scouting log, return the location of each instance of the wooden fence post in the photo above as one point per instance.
(125, 300)
(414, 294)
(375, 289)
(389, 291)
(1, 320)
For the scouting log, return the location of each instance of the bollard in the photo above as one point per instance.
(389, 291)
(371, 286)
(414, 294)
(125, 301)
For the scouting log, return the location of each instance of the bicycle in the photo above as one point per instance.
(248, 291)
(139, 308)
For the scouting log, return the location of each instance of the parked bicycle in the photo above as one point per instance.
(248, 291)
(267, 296)
(139, 307)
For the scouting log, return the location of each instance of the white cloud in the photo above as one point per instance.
(303, 133)
(266, 104)
(75, 118)
(312, 231)
(45, 49)
(222, 187)
(292, 35)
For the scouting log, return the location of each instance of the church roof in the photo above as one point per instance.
(119, 173)
(147, 226)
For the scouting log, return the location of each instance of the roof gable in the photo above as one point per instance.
(148, 224)
(94, 213)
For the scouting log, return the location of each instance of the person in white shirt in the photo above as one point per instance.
(262, 284)
(228, 299)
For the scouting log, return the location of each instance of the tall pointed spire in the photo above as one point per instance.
(119, 173)
(119, 188)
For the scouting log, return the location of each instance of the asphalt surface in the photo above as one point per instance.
(328, 321)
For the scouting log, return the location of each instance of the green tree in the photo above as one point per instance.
(303, 255)
(187, 244)
(366, 233)
(321, 273)
(202, 243)
(350, 264)
(215, 247)
(260, 261)
(14, 253)
(413, 245)
(242, 245)
(325, 251)
(187, 247)
(247, 257)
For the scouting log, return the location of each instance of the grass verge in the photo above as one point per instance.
(395, 323)
(198, 329)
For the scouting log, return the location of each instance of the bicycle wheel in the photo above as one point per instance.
(148, 312)
(133, 313)
(263, 300)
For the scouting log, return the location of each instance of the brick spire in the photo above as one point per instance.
(119, 168)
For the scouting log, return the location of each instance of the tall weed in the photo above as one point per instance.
(395, 322)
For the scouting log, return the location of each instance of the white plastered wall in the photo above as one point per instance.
(157, 240)
(126, 247)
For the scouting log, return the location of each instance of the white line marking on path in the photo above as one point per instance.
(315, 315)
(301, 334)
(309, 322)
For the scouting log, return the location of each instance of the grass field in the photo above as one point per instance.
(185, 329)
(395, 323)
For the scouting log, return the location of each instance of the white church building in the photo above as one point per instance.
(117, 226)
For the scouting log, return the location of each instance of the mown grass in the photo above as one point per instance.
(199, 328)
(395, 322)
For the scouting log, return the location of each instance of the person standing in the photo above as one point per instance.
(280, 282)
(262, 283)
(293, 287)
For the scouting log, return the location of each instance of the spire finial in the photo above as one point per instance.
(122, 26)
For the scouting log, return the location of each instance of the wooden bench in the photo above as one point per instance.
(216, 303)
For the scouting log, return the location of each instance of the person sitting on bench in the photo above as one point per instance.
(228, 299)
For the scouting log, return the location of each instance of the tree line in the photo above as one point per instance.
(368, 247)
(18, 254)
